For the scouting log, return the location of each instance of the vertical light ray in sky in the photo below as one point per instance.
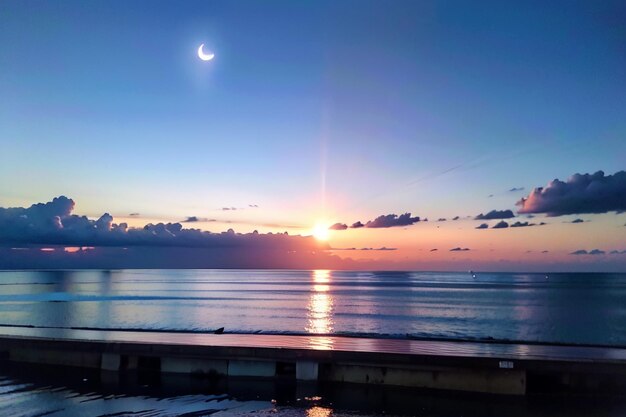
(324, 157)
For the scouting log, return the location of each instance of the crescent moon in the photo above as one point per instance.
(203, 56)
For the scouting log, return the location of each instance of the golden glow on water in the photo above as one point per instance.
(319, 412)
(320, 307)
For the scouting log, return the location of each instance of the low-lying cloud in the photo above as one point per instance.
(581, 193)
(495, 215)
(338, 226)
(591, 252)
(196, 219)
(500, 225)
(386, 221)
(392, 220)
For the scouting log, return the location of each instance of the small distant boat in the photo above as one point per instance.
(472, 273)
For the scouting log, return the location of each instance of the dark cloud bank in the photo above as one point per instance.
(581, 193)
(162, 245)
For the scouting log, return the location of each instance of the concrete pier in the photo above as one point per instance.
(497, 368)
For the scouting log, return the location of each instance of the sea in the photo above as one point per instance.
(561, 308)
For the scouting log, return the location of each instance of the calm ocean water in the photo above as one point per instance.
(566, 308)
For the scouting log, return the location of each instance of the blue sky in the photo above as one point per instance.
(335, 110)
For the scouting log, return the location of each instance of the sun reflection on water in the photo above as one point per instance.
(320, 307)
(317, 411)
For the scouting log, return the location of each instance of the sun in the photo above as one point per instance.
(320, 231)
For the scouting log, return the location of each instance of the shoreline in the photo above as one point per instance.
(383, 336)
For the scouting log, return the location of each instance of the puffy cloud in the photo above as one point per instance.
(482, 226)
(577, 221)
(495, 214)
(458, 249)
(456, 218)
(441, 219)
(53, 223)
(338, 226)
(392, 220)
(581, 193)
(105, 222)
(501, 225)
(617, 252)
(522, 224)
(357, 225)
(591, 252)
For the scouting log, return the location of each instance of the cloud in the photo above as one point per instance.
(522, 224)
(338, 226)
(515, 189)
(441, 219)
(392, 220)
(253, 205)
(229, 208)
(195, 219)
(53, 223)
(577, 221)
(617, 252)
(501, 225)
(581, 193)
(384, 248)
(458, 249)
(357, 225)
(434, 250)
(456, 218)
(134, 214)
(482, 226)
(591, 252)
(495, 214)
(545, 251)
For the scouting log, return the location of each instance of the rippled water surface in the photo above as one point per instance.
(29, 390)
(569, 308)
